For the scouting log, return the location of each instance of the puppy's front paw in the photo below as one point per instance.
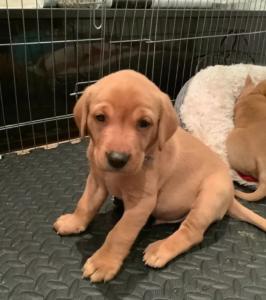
(158, 254)
(101, 267)
(69, 224)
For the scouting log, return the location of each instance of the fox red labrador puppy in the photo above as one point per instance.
(246, 144)
(138, 153)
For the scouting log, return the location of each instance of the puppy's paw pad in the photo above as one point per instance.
(157, 255)
(98, 268)
(69, 224)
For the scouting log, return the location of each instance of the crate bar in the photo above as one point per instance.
(34, 122)
(206, 37)
(49, 42)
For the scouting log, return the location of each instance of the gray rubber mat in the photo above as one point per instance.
(35, 263)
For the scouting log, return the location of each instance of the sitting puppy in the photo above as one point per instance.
(246, 144)
(138, 153)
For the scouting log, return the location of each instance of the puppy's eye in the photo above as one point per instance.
(100, 118)
(143, 124)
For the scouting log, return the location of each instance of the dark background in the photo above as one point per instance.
(45, 55)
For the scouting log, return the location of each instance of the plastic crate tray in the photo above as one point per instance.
(36, 263)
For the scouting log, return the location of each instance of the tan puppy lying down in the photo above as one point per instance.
(246, 144)
(138, 153)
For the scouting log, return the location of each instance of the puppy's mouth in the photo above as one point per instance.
(129, 168)
(124, 170)
(114, 170)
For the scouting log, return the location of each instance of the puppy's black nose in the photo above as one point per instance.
(117, 160)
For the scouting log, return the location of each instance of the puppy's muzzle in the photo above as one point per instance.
(117, 160)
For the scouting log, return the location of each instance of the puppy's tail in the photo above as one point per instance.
(254, 196)
(240, 212)
(261, 189)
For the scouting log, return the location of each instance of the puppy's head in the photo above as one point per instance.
(127, 117)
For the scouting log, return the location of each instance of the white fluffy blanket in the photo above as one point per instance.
(208, 105)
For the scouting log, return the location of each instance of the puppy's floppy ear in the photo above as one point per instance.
(168, 122)
(81, 111)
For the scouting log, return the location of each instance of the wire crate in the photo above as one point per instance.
(50, 50)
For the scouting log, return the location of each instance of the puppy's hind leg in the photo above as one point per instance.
(211, 205)
(87, 207)
(239, 152)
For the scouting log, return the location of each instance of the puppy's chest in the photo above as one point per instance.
(117, 185)
(113, 187)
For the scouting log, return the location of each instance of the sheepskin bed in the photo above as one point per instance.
(206, 104)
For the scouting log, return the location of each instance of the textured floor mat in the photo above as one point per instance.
(35, 263)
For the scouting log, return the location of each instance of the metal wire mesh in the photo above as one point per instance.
(51, 49)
